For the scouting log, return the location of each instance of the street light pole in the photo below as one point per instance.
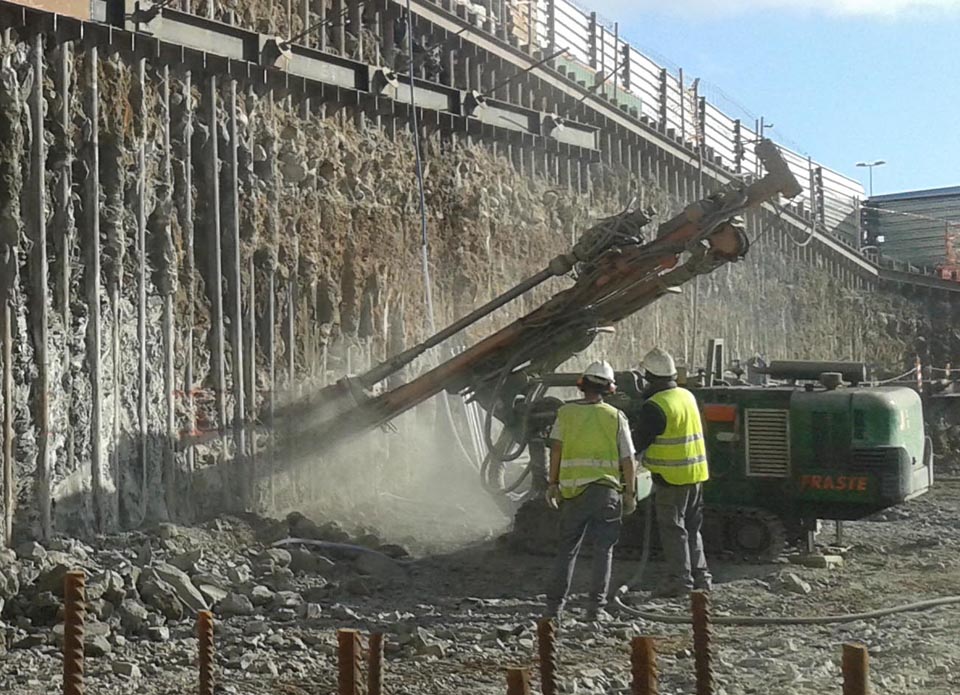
(870, 166)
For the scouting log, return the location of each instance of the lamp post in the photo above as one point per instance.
(870, 166)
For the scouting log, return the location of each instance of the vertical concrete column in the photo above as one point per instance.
(65, 238)
(91, 204)
(388, 27)
(35, 217)
(322, 31)
(167, 290)
(142, 368)
(270, 316)
(236, 310)
(339, 28)
(187, 225)
(216, 255)
(355, 10)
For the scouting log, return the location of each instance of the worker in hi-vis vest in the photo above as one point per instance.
(669, 434)
(591, 465)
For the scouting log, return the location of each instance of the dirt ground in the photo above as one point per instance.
(455, 621)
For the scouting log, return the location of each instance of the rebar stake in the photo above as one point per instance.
(547, 646)
(74, 608)
(375, 664)
(350, 659)
(205, 637)
(856, 670)
(700, 607)
(643, 662)
(518, 681)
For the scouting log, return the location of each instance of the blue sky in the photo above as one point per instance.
(842, 80)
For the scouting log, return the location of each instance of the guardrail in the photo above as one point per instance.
(597, 56)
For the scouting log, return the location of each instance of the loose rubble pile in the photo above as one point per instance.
(454, 621)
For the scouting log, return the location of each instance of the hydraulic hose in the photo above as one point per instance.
(757, 620)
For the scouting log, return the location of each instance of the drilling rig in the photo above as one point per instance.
(774, 478)
(618, 267)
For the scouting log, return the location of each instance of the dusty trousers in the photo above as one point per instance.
(594, 513)
(680, 516)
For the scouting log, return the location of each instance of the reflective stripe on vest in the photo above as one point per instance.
(590, 453)
(679, 455)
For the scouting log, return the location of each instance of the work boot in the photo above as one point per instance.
(554, 614)
(596, 614)
(669, 591)
(703, 581)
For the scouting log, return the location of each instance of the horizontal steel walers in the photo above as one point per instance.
(198, 43)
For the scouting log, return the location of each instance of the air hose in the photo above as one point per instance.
(757, 620)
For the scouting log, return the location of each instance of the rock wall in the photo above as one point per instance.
(144, 267)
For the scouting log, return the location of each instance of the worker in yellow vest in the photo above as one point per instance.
(591, 466)
(669, 433)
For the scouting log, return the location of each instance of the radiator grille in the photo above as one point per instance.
(768, 443)
(882, 464)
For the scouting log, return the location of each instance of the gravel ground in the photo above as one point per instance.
(455, 620)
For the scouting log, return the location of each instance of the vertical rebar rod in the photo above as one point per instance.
(142, 395)
(91, 208)
(206, 649)
(217, 266)
(38, 217)
(856, 670)
(74, 608)
(375, 664)
(518, 681)
(700, 608)
(643, 666)
(547, 648)
(236, 321)
(349, 661)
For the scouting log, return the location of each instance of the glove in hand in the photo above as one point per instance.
(553, 496)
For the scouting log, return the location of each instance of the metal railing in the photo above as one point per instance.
(596, 56)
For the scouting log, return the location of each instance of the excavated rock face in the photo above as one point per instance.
(330, 280)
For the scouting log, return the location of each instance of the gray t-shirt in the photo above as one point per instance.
(624, 440)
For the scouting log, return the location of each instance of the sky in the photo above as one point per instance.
(842, 81)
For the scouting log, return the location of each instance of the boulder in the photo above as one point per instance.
(235, 604)
(133, 615)
(162, 597)
(184, 588)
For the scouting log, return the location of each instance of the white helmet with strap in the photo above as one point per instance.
(658, 362)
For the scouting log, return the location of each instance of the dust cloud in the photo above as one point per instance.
(413, 486)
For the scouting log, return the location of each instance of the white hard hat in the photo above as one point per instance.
(600, 370)
(658, 362)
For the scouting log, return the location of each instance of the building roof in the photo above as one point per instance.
(947, 192)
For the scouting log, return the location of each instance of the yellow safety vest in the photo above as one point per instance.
(679, 455)
(590, 453)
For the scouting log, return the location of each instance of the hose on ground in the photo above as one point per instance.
(340, 547)
(757, 620)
